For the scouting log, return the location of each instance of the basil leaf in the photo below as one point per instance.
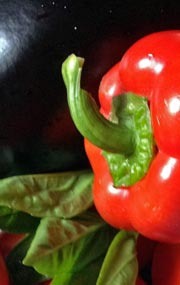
(80, 262)
(17, 222)
(77, 262)
(87, 275)
(59, 195)
(120, 265)
(53, 233)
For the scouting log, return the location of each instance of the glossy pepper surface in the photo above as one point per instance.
(132, 139)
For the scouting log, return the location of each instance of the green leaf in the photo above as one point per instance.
(120, 266)
(77, 262)
(59, 195)
(53, 233)
(87, 275)
(80, 262)
(17, 222)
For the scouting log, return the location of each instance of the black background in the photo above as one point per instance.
(36, 131)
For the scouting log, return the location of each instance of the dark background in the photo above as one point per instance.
(36, 131)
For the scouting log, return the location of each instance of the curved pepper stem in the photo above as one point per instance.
(109, 136)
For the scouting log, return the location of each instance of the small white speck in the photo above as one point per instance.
(65, 7)
(75, 28)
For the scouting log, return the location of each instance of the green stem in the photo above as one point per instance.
(85, 113)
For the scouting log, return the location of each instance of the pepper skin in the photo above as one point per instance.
(144, 62)
(150, 205)
(110, 201)
(165, 109)
(155, 200)
(3, 272)
(140, 281)
(165, 265)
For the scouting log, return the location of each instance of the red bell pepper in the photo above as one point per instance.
(132, 140)
(165, 265)
(8, 241)
(140, 281)
(4, 277)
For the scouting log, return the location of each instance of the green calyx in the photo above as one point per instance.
(109, 136)
(127, 170)
(126, 138)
